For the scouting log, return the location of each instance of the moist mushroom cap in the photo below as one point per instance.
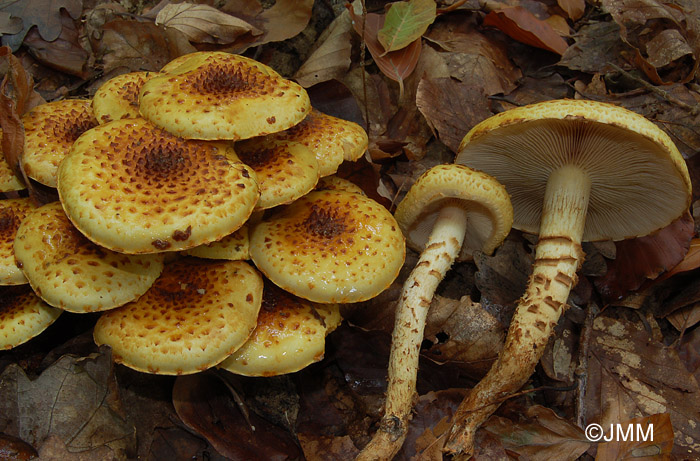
(285, 170)
(70, 272)
(233, 247)
(194, 316)
(332, 139)
(334, 182)
(23, 315)
(49, 133)
(219, 95)
(639, 180)
(329, 247)
(489, 212)
(134, 188)
(118, 97)
(290, 335)
(12, 212)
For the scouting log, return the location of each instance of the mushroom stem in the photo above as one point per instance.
(557, 258)
(441, 249)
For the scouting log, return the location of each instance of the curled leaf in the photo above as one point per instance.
(521, 25)
(203, 23)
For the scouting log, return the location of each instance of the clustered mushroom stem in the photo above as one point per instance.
(557, 258)
(442, 248)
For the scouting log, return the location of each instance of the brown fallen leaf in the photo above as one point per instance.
(451, 107)
(44, 15)
(521, 25)
(206, 406)
(539, 435)
(631, 373)
(657, 428)
(574, 8)
(331, 57)
(55, 448)
(74, 399)
(327, 448)
(595, 46)
(203, 23)
(8, 24)
(13, 448)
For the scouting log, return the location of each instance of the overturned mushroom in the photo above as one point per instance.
(450, 210)
(576, 171)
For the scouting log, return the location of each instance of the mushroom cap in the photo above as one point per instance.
(23, 315)
(219, 95)
(290, 335)
(118, 97)
(194, 316)
(489, 212)
(180, 60)
(50, 130)
(9, 181)
(329, 247)
(639, 180)
(285, 170)
(332, 139)
(134, 188)
(334, 182)
(233, 247)
(12, 212)
(70, 272)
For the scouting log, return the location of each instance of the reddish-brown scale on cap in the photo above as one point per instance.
(12, 212)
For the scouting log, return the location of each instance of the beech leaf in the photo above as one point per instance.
(44, 14)
(521, 25)
(203, 23)
(406, 22)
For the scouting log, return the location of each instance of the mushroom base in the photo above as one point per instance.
(557, 258)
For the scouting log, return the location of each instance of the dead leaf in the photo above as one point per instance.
(405, 22)
(55, 448)
(136, 45)
(632, 374)
(659, 446)
(74, 399)
(206, 406)
(541, 435)
(595, 46)
(43, 14)
(8, 24)
(645, 258)
(331, 58)
(13, 448)
(327, 448)
(203, 23)
(574, 8)
(521, 25)
(464, 334)
(451, 108)
(397, 65)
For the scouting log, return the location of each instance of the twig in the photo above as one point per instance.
(581, 373)
(694, 110)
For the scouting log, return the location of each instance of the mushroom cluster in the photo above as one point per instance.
(176, 192)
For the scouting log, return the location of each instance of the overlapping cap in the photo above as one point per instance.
(194, 316)
(23, 315)
(70, 272)
(218, 95)
(118, 97)
(12, 212)
(134, 188)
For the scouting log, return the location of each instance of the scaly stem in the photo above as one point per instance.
(442, 247)
(557, 258)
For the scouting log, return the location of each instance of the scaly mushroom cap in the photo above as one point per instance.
(118, 97)
(70, 272)
(285, 170)
(220, 95)
(329, 247)
(233, 247)
(193, 317)
(639, 180)
(334, 182)
(9, 181)
(12, 212)
(332, 139)
(180, 60)
(49, 133)
(134, 188)
(489, 212)
(290, 335)
(23, 315)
